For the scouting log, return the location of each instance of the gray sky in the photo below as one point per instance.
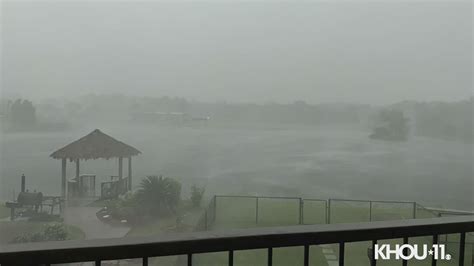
(348, 51)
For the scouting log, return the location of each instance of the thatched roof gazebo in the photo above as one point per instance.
(95, 145)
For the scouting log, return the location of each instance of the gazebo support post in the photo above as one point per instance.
(122, 188)
(120, 170)
(78, 179)
(63, 178)
(130, 173)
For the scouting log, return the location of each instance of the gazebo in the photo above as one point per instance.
(95, 145)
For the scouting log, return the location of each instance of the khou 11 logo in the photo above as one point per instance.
(408, 252)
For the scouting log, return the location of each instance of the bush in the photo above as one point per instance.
(28, 237)
(123, 208)
(158, 195)
(50, 232)
(197, 194)
(55, 232)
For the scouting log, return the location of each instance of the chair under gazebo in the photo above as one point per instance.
(95, 145)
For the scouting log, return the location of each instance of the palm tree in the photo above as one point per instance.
(158, 195)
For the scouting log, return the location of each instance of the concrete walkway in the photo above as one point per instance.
(330, 255)
(85, 218)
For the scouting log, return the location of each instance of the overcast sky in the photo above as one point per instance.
(351, 51)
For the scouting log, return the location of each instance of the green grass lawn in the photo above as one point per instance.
(281, 257)
(165, 225)
(160, 226)
(74, 232)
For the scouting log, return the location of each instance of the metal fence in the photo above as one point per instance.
(237, 211)
(349, 210)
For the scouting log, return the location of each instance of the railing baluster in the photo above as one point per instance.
(341, 254)
(373, 262)
(435, 241)
(231, 258)
(462, 246)
(145, 261)
(190, 259)
(270, 256)
(97, 263)
(306, 255)
(405, 252)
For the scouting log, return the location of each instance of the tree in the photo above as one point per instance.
(392, 125)
(159, 195)
(22, 115)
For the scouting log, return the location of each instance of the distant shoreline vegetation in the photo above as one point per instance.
(442, 120)
(21, 116)
(392, 125)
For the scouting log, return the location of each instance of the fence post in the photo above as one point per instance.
(301, 211)
(370, 211)
(414, 210)
(329, 211)
(256, 210)
(326, 211)
(215, 209)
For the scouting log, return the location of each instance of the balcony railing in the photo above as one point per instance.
(188, 244)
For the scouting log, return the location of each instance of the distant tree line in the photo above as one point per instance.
(107, 107)
(20, 115)
(444, 120)
(452, 121)
(447, 120)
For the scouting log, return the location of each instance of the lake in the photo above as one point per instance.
(312, 162)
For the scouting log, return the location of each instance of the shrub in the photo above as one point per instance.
(123, 208)
(158, 195)
(55, 232)
(50, 232)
